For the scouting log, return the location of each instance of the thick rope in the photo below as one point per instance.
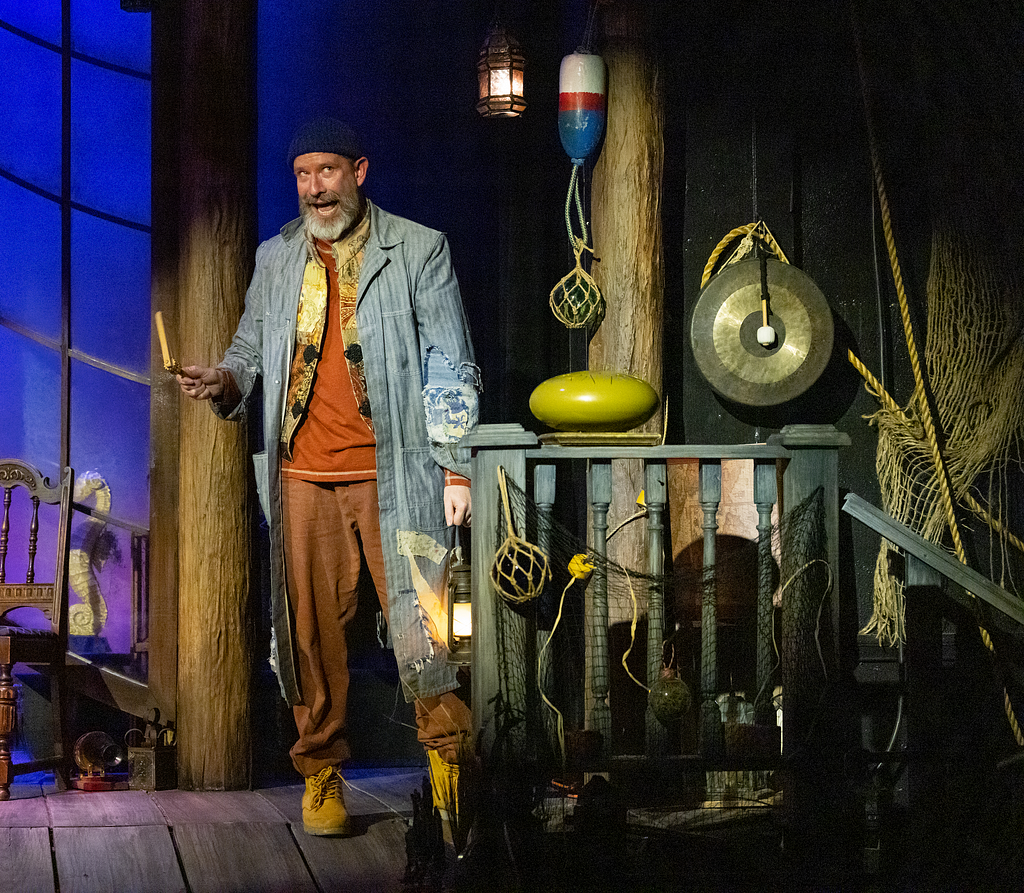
(920, 394)
(754, 230)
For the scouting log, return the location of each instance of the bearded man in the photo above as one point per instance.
(355, 322)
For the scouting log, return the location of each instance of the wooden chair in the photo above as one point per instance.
(45, 646)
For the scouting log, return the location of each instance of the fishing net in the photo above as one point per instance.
(974, 362)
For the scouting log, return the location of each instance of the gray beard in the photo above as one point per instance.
(348, 212)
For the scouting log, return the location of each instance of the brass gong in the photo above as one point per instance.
(724, 333)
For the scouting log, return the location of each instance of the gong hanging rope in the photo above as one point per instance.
(751, 231)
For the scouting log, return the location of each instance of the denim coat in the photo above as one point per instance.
(423, 388)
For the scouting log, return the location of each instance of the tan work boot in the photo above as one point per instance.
(444, 782)
(323, 805)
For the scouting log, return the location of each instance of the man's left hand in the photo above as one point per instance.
(458, 505)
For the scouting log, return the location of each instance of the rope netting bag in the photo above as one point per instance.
(520, 569)
(576, 300)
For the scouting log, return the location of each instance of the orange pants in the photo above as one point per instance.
(327, 529)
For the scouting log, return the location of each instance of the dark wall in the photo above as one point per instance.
(766, 119)
(768, 124)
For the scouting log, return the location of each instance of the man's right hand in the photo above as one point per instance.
(201, 382)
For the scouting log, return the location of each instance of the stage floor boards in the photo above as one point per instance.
(217, 842)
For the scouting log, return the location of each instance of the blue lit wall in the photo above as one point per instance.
(75, 146)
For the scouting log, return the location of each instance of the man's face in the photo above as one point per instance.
(329, 196)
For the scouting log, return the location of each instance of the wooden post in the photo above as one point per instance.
(217, 233)
(627, 228)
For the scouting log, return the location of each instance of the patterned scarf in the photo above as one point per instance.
(311, 325)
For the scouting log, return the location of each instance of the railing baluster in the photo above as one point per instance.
(764, 498)
(656, 494)
(544, 476)
(33, 541)
(5, 528)
(711, 742)
(600, 498)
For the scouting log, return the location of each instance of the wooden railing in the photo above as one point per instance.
(804, 458)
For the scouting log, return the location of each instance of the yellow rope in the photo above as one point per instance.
(994, 523)
(920, 393)
(759, 229)
(581, 570)
(632, 636)
(874, 386)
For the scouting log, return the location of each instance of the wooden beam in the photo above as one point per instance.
(165, 396)
(217, 226)
(627, 227)
(1011, 613)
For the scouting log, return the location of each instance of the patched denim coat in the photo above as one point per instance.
(420, 372)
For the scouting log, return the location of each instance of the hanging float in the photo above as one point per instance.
(576, 300)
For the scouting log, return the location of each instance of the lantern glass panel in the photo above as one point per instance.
(501, 82)
(462, 620)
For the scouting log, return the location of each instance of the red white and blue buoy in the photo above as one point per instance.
(582, 104)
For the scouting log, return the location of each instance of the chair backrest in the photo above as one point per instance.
(26, 485)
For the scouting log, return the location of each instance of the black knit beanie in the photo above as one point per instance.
(325, 135)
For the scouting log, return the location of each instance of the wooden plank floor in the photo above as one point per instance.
(218, 842)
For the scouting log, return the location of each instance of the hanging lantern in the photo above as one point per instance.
(582, 104)
(460, 611)
(500, 74)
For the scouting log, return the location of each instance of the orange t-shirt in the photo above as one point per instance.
(333, 443)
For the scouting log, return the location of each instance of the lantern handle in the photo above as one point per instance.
(458, 553)
(128, 735)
